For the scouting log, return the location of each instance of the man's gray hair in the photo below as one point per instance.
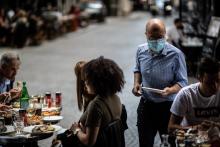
(8, 57)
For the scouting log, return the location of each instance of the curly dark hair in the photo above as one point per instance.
(105, 76)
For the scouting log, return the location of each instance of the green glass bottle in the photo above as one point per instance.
(24, 99)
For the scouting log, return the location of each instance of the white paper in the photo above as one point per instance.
(153, 90)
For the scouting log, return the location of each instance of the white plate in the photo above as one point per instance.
(52, 118)
(30, 128)
(16, 109)
(51, 109)
(153, 90)
(9, 129)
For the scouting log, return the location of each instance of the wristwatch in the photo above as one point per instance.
(76, 131)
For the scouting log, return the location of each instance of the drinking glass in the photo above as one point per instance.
(31, 111)
(31, 108)
(165, 142)
(18, 124)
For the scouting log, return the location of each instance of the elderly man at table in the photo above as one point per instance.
(9, 65)
(199, 101)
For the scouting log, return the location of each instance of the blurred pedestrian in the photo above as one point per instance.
(162, 66)
(21, 29)
(75, 13)
(175, 34)
(124, 7)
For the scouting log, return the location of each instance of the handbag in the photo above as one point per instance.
(67, 139)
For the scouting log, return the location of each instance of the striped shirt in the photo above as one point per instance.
(160, 70)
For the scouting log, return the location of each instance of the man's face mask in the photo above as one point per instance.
(156, 45)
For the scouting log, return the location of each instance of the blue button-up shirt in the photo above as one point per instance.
(160, 70)
(4, 83)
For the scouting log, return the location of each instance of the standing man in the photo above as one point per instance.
(162, 66)
(9, 65)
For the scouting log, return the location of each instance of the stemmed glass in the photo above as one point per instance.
(18, 124)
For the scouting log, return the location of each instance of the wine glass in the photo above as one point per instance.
(18, 124)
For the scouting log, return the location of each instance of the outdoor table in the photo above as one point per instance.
(26, 139)
(34, 117)
(192, 47)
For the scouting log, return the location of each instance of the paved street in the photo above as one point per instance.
(49, 67)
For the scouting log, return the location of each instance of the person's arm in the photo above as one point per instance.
(181, 71)
(3, 96)
(88, 132)
(137, 76)
(181, 79)
(15, 93)
(171, 90)
(174, 123)
(137, 84)
(89, 137)
(4, 107)
(178, 111)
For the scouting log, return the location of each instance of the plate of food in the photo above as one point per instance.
(34, 120)
(42, 129)
(52, 118)
(50, 111)
(159, 91)
(6, 130)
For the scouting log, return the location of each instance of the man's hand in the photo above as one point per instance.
(4, 107)
(171, 90)
(166, 91)
(15, 93)
(137, 90)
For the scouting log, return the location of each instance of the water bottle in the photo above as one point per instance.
(24, 99)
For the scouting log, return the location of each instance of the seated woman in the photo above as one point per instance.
(103, 78)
